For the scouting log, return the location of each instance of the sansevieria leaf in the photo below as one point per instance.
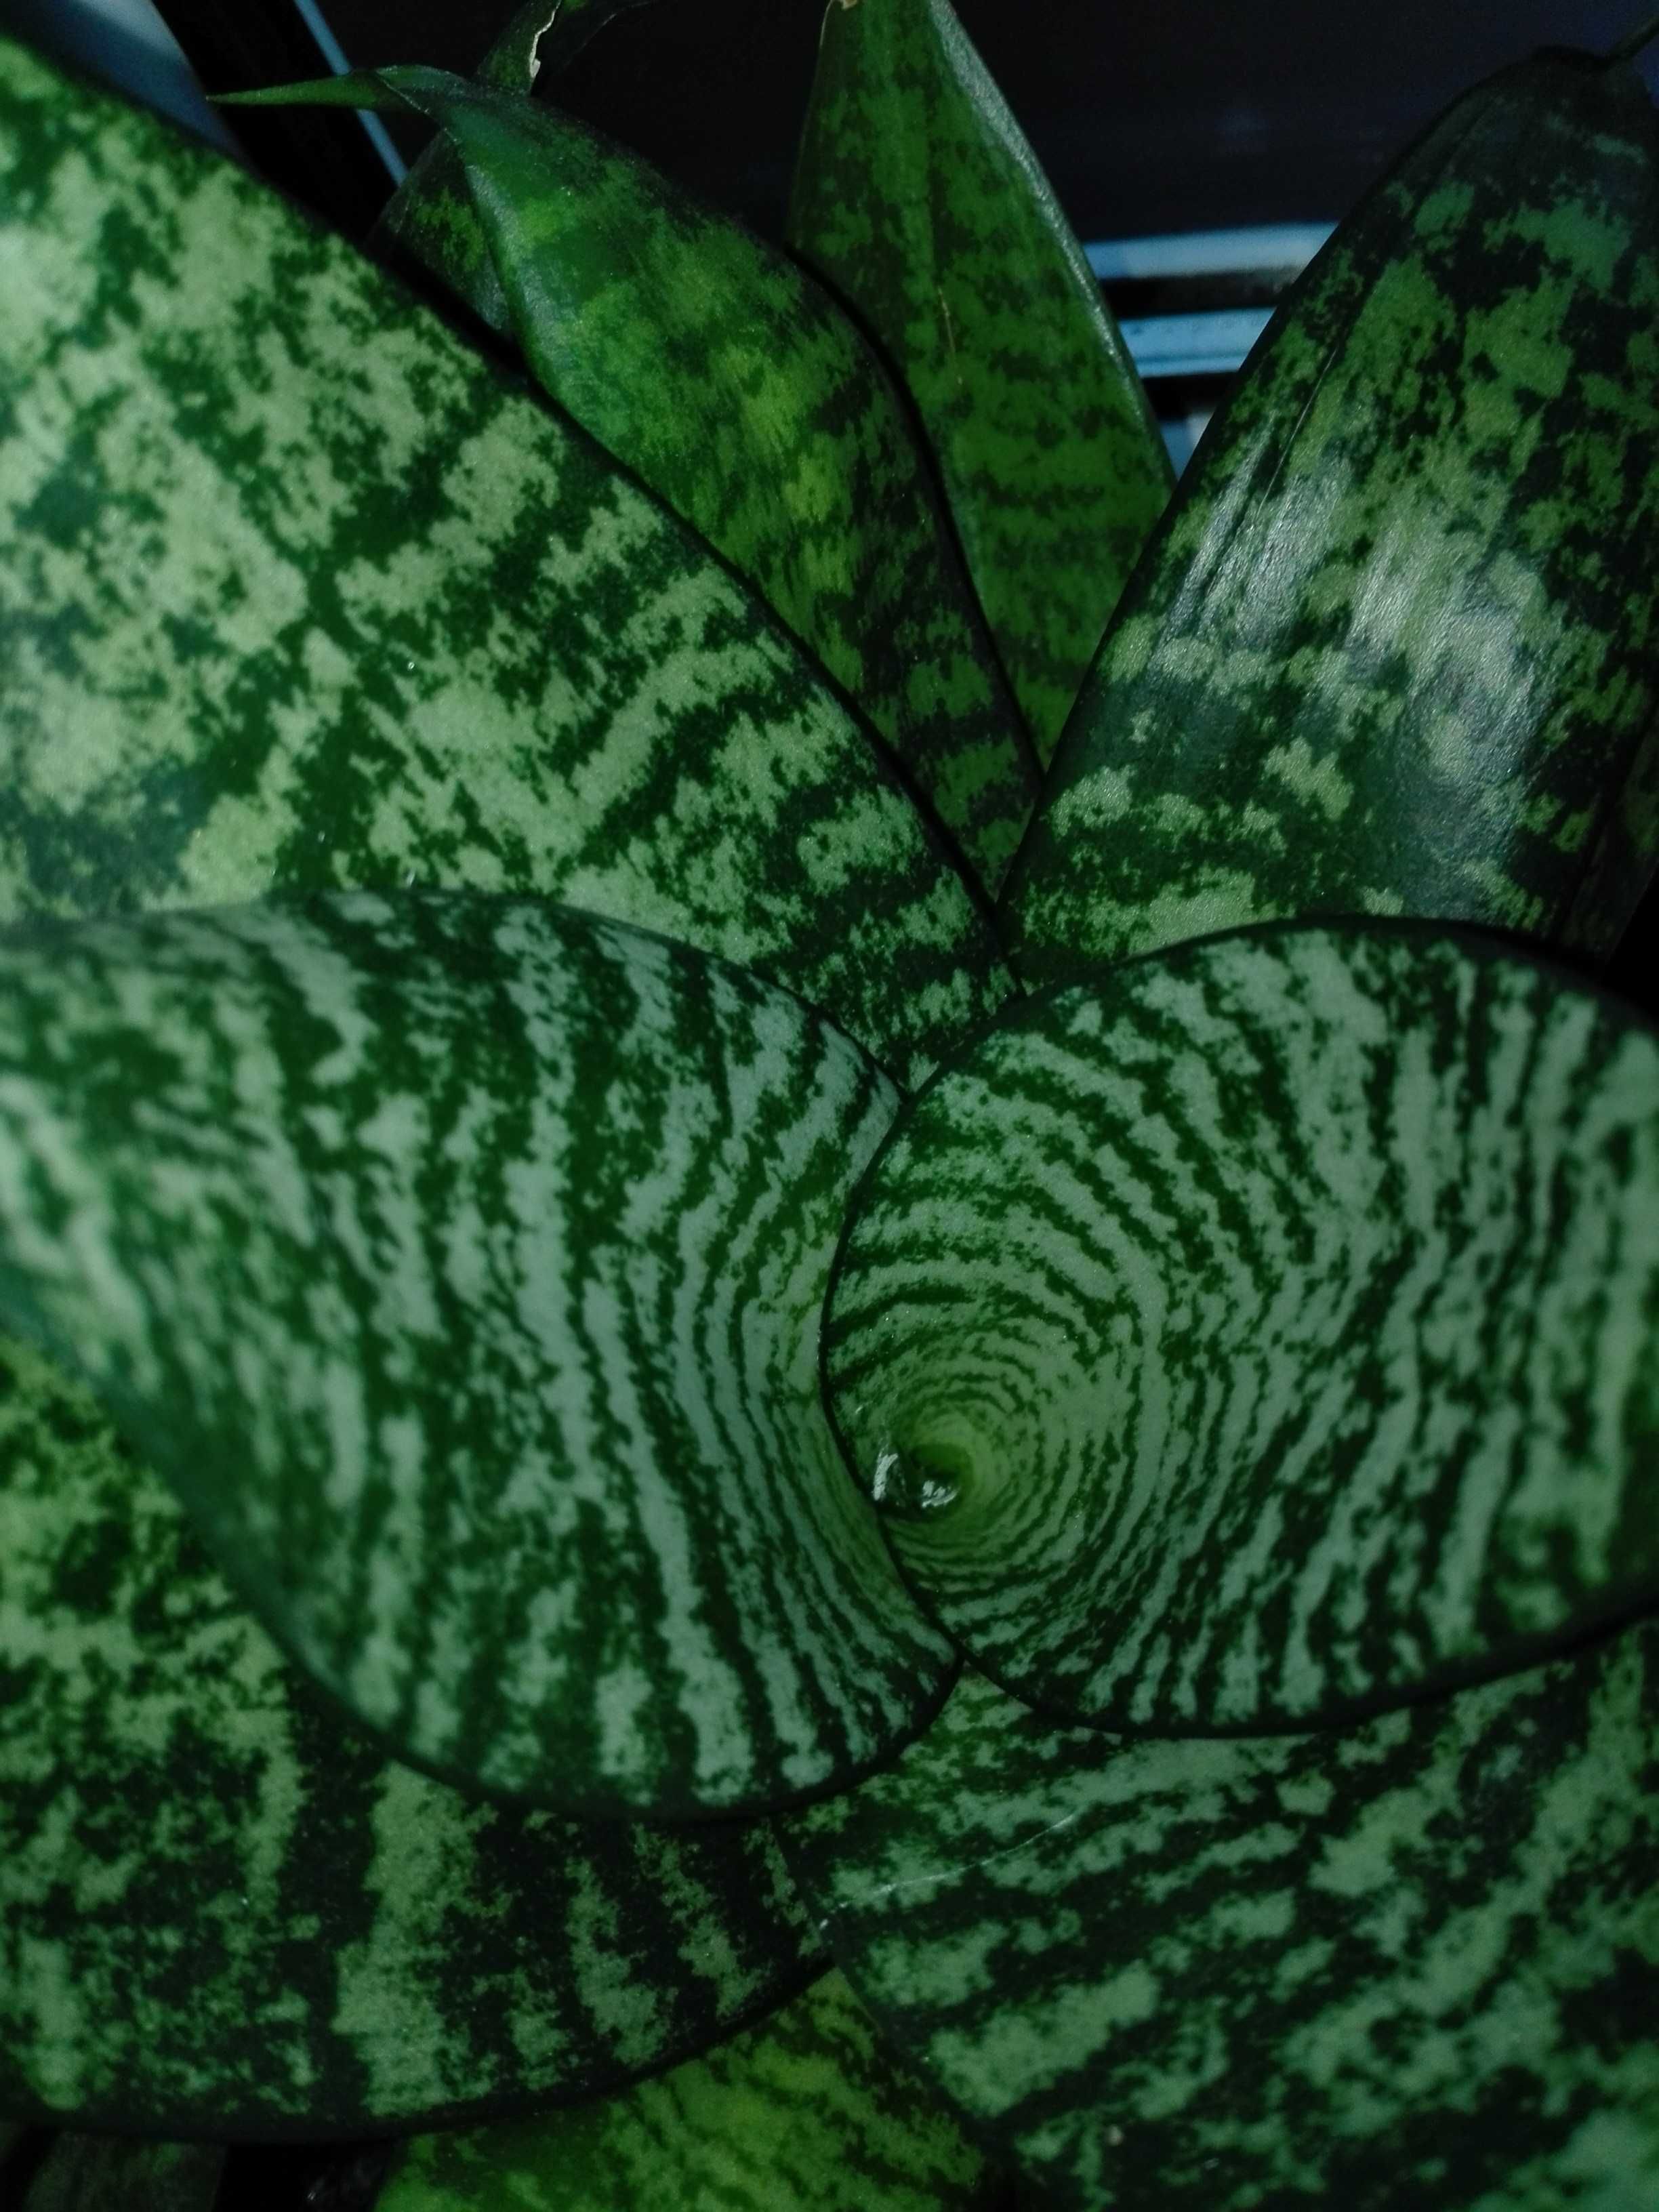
(769, 426)
(1411, 1963)
(1269, 1331)
(1396, 647)
(917, 198)
(430, 217)
(811, 2111)
(225, 1911)
(460, 1260)
(101, 2173)
(295, 592)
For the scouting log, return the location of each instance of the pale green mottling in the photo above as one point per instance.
(1222, 2030)
(225, 1910)
(1261, 1398)
(917, 195)
(808, 2112)
(294, 591)
(1394, 645)
(662, 1170)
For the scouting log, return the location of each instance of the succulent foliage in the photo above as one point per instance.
(831, 1293)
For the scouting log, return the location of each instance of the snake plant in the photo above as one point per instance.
(831, 1289)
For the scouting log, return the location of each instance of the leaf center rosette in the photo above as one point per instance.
(1265, 1334)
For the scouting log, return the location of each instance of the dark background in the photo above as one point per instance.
(1194, 115)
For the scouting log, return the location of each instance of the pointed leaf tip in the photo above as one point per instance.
(1630, 46)
(770, 427)
(919, 201)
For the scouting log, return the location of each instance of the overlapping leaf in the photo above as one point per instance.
(227, 1912)
(1394, 648)
(1411, 1963)
(1269, 1331)
(459, 1261)
(918, 199)
(294, 591)
(430, 217)
(771, 426)
(810, 2112)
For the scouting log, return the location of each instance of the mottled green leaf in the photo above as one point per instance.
(430, 217)
(224, 1910)
(709, 363)
(809, 2113)
(917, 198)
(1396, 647)
(295, 591)
(1413, 1965)
(459, 1261)
(1268, 1331)
(100, 2173)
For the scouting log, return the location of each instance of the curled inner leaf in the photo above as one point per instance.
(1269, 1333)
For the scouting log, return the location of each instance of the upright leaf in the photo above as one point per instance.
(459, 1261)
(295, 591)
(1411, 1964)
(1395, 648)
(918, 199)
(809, 2113)
(740, 392)
(1269, 1331)
(227, 1912)
(430, 217)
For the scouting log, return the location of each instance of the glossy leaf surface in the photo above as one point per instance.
(808, 2112)
(1269, 1331)
(227, 1912)
(98, 2173)
(459, 1261)
(712, 365)
(1412, 1963)
(918, 199)
(1395, 648)
(294, 591)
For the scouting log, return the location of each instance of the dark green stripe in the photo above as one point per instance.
(1267, 1332)
(1410, 1964)
(1394, 649)
(295, 591)
(810, 2112)
(223, 1910)
(461, 1260)
(93, 2173)
(771, 428)
(918, 199)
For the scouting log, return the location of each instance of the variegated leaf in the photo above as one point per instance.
(459, 1261)
(295, 591)
(102, 2173)
(917, 198)
(740, 392)
(1415, 1963)
(809, 2113)
(1396, 647)
(223, 1910)
(1269, 1331)
(430, 217)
